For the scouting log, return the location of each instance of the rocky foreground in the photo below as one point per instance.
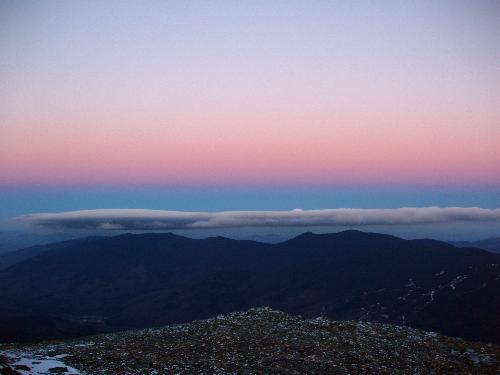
(260, 341)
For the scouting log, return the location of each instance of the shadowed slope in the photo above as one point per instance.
(156, 279)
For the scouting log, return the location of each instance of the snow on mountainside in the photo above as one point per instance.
(258, 341)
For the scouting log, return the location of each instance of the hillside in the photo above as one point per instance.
(137, 281)
(10, 258)
(262, 341)
(490, 244)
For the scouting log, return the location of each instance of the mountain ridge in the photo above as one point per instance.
(491, 244)
(151, 279)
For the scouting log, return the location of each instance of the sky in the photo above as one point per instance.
(212, 106)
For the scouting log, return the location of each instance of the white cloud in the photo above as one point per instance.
(139, 219)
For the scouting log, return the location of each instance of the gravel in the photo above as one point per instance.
(266, 341)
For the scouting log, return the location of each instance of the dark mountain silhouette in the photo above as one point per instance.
(490, 244)
(10, 258)
(11, 240)
(142, 280)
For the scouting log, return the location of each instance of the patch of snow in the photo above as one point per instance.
(457, 280)
(39, 365)
(410, 282)
(85, 345)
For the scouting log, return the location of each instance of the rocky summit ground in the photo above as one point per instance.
(260, 341)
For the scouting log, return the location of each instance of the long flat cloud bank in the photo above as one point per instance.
(138, 219)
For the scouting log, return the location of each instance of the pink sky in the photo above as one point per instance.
(389, 94)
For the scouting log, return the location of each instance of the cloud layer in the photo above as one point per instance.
(140, 219)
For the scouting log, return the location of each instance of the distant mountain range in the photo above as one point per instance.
(490, 244)
(16, 240)
(142, 280)
(12, 257)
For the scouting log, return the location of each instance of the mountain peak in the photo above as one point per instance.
(162, 235)
(345, 275)
(305, 235)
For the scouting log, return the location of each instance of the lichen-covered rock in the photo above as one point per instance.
(266, 341)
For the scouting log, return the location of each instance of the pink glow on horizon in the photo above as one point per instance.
(306, 155)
